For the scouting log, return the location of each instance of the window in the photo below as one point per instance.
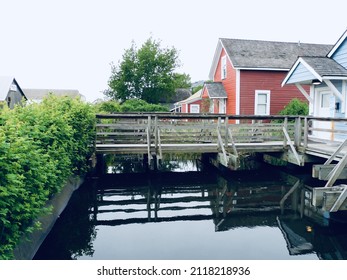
(222, 106)
(224, 67)
(211, 106)
(195, 108)
(262, 102)
(325, 100)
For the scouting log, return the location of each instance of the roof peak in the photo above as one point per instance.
(272, 41)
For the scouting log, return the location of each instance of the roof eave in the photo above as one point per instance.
(337, 45)
(293, 68)
(261, 68)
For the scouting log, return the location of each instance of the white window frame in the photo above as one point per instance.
(256, 101)
(222, 106)
(223, 68)
(194, 107)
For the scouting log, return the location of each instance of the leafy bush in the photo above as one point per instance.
(138, 105)
(41, 145)
(295, 107)
(108, 107)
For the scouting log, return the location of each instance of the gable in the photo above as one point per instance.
(307, 69)
(7, 84)
(340, 55)
(300, 73)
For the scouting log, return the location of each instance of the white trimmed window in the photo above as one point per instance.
(195, 108)
(222, 106)
(223, 67)
(262, 102)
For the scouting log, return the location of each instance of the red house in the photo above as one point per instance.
(247, 76)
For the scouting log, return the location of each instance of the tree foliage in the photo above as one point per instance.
(41, 145)
(147, 73)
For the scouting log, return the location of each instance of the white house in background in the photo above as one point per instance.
(10, 91)
(327, 78)
(37, 95)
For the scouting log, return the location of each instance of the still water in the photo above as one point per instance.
(191, 213)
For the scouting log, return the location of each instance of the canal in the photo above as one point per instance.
(190, 211)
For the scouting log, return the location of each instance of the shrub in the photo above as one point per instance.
(138, 105)
(41, 145)
(295, 107)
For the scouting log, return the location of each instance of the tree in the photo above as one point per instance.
(146, 73)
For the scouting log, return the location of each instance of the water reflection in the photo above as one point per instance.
(191, 215)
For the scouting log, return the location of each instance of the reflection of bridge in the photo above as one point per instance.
(201, 197)
(228, 203)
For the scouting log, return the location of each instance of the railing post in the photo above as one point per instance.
(285, 126)
(156, 133)
(297, 132)
(149, 127)
(226, 132)
(305, 133)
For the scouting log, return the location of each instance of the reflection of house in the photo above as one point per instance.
(326, 77)
(251, 73)
(37, 95)
(10, 92)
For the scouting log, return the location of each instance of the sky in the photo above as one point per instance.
(70, 44)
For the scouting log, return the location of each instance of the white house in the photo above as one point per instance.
(327, 78)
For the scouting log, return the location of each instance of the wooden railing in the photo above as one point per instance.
(226, 134)
(157, 130)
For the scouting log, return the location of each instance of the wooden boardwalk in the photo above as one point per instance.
(156, 134)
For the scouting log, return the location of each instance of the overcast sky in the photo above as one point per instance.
(70, 44)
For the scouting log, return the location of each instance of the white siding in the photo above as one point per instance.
(340, 55)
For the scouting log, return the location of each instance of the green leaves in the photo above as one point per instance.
(41, 145)
(146, 73)
(295, 107)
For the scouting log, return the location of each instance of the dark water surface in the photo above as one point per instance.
(191, 215)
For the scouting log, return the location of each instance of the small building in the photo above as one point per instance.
(192, 104)
(10, 92)
(322, 80)
(37, 95)
(251, 73)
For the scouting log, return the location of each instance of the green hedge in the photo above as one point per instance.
(41, 145)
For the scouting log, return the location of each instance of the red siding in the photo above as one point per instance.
(266, 80)
(229, 84)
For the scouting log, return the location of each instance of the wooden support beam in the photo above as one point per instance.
(335, 91)
(335, 173)
(332, 157)
(221, 145)
(340, 200)
(322, 171)
(292, 147)
(285, 197)
(303, 91)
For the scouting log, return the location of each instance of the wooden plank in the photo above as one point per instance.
(321, 172)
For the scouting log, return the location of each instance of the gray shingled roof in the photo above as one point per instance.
(268, 54)
(38, 94)
(325, 66)
(216, 90)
